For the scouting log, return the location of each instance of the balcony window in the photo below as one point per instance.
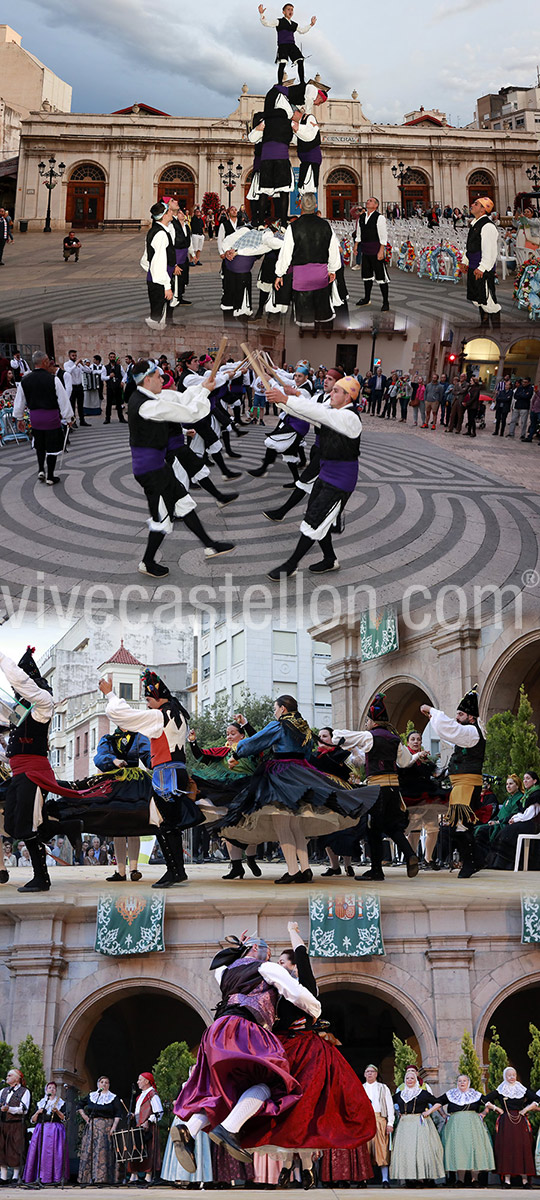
(125, 691)
(221, 657)
(205, 666)
(283, 642)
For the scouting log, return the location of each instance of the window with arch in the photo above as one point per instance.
(418, 177)
(481, 179)
(341, 175)
(88, 171)
(176, 174)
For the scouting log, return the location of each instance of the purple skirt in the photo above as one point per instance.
(236, 1054)
(47, 1160)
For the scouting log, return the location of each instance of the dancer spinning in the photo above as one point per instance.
(219, 778)
(287, 50)
(340, 432)
(290, 799)
(241, 1067)
(465, 767)
(165, 722)
(334, 1111)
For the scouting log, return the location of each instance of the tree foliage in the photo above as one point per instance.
(512, 743)
(469, 1063)
(498, 1060)
(211, 723)
(31, 1064)
(171, 1070)
(404, 1056)
(534, 1055)
(525, 750)
(6, 1059)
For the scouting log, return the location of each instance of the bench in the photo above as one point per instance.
(121, 223)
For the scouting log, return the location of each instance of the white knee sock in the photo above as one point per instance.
(15, 1174)
(384, 1173)
(197, 1122)
(249, 1103)
(306, 1159)
(282, 826)
(3, 1172)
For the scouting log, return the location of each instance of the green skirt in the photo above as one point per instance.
(467, 1144)
(417, 1152)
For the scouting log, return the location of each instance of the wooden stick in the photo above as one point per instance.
(219, 356)
(272, 371)
(257, 366)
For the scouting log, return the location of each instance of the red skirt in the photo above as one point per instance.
(334, 1111)
(513, 1147)
(346, 1166)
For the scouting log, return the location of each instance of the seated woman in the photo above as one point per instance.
(486, 835)
(527, 821)
(219, 778)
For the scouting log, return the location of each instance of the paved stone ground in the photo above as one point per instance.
(165, 1191)
(421, 512)
(37, 285)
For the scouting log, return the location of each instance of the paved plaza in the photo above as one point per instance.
(37, 286)
(163, 1192)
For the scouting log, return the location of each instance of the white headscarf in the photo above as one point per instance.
(408, 1093)
(513, 1091)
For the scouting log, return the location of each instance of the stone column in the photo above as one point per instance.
(450, 959)
(457, 652)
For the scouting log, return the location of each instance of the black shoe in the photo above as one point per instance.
(331, 871)
(116, 878)
(325, 565)
(4, 876)
(273, 515)
(236, 871)
(373, 875)
(253, 866)
(184, 1147)
(184, 301)
(135, 876)
(284, 1177)
(434, 865)
(363, 303)
(34, 885)
(232, 474)
(305, 876)
(308, 1178)
(468, 869)
(225, 1138)
(227, 498)
(170, 879)
(286, 878)
(218, 548)
(258, 472)
(350, 873)
(233, 454)
(385, 308)
(276, 574)
(53, 480)
(412, 866)
(156, 570)
(84, 424)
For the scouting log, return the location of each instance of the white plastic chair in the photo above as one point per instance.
(524, 840)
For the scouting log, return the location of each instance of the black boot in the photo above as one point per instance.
(171, 847)
(495, 319)
(38, 857)
(384, 293)
(253, 865)
(277, 514)
(148, 564)
(329, 561)
(222, 498)
(226, 439)
(220, 462)
(236, 871)
(284, 1177)
(289, 568)
(194, 523)
(269, 458)
(368, 284)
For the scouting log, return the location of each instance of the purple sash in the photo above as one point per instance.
(298, 425)
(310, 278)
(371, 248)
(239, 265)
(181, 255)
(45, 418)
(285, 37)
(274, 150)
(312, 155)
(342, 475)
(170, 270)
(145, 458)
(475, 259)
(176, 440)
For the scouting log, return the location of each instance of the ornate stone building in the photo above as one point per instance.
(118, 164)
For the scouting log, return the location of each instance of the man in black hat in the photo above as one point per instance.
(381, 750)
(465, 768)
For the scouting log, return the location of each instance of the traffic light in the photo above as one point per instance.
(452, 358)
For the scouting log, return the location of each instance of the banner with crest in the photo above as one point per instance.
(379, 633)
(130, 923)
(530, 919)
(345, 926)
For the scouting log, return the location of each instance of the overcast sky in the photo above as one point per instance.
(192, 59)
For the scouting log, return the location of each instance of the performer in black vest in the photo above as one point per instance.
(159, 262)
(182, 244)
(276, 173)
(14, 1107)
(255, 135)
(465, 767)
(228, 224)
(287, 50)
(480, 261)
(240, 251)
(150, 412)
(304, 484)
(371, 233)
(45, 397)
(381, 750)
(311, 247)
(340, 431)
(308, 138)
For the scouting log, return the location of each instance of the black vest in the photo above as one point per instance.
(474, 236)
(337, 446)
(228, 226)
(382, 757)
(171, 256)
(153, 434)
(311, 236)
(30, 737)
(182, 238)
(468, 760)
(368, 227)
(39, 390)
(121, 746)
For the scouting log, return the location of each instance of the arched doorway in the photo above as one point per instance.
(481, 183)
(85, 205)
(341, 194)
(522, 358)
(511, 1020)
(415, 191)
(403, 699)
(519, 666)
(364, 1022)
(482, 355)
(179, 182)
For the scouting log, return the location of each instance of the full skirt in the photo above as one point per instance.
(346, 1166)
(417, 1152)
(174, 1173)
(513, 1146)
(97, 1162)
(48, 1160)
(467, 1144)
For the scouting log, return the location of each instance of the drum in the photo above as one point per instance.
(129, 1145)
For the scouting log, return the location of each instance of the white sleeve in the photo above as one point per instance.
(64, 405)
(382, 230)
(135, 720)
(158, 266)
(449, 730)
(350, 739)
(489, 240)
(404, 756)
(218, 974)
(157, 1109)
(67, 385)
(29, 690)
(306, 29)
(528, 814)
(285, 254)
(388, 1104)
(269, 24)
(289, 988)
(221, 237)
(307, 129)
(256, 135)
(23, 1106)
(69, 366)
(19, 404)
(344, 420)
(187, 407)
(334, 255)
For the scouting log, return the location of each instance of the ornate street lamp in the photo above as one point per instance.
(229, 178)
(402, 173)
(51, 178)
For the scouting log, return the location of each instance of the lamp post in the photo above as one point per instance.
(229, 179)
(402, 173)
(51, 177)
(533, 174)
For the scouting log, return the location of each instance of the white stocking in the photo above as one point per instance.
(306, 1158)
(249, 1103)
(197, 1122)
(286, 839)
(300, 843)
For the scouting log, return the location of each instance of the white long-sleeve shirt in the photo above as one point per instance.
(447, 729)
(343, 420)
(155, 1103)
(150, 721)
(527, 815)
(273, 24)
(158, 266)
(267, 241)
(74, 370)
(30, 690)
(382, 230)
(307, 130)
(222, 233)
(64, 405)
(489, 244)
(287, 251)
(185, 407)
(381, 1101)
(20, 1108)
(360, 742)
(286, 985)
